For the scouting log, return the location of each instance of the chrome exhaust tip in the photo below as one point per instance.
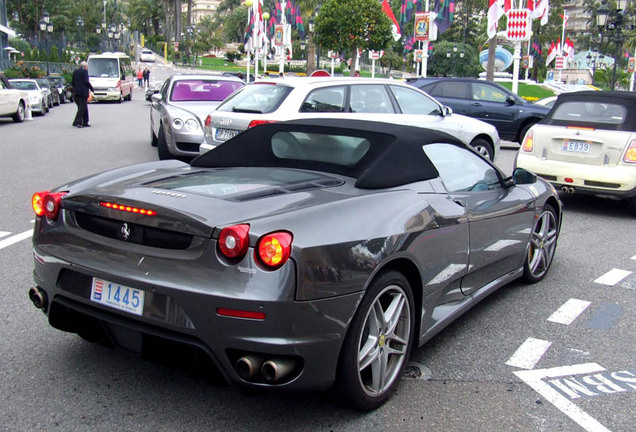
(38, 297)
(249, 365)
(276, 369)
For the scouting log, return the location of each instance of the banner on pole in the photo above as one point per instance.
(422, 26)
(631, 65)
(279, 35)
(376, 55)
(419, 55)
(527, 62)
(519, 25)
(559, 63)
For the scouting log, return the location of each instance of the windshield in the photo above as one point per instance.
(202, 90)
(256, 98)
(103, 68)
(591, 112)
(23, 85)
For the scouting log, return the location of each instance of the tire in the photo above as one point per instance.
(383, 346)
(130, 95)
(153, 137)
(484, 148)
(20, 113)
(524, 130)
(632, 203)
(542, 246)
(121, 98)
(162, 145)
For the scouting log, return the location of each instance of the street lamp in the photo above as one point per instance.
(80, 25)
(455, 53)
(47, 28)
(613, 27)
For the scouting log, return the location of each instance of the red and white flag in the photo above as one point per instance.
(552, 53)
(540, 9)
(496, 9)
(568, 49)
(395, 28)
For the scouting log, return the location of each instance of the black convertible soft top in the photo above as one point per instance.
(395, 156)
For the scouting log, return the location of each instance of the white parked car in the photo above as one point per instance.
(13, 102)
(38, 96)
(380, 100)
(147, 56)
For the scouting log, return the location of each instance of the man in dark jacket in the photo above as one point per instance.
(81, 86)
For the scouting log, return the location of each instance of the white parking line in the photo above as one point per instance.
(16, 238)
(529, 353)
(613, 277)
(534, 378)
(4, 233)
(570, 310)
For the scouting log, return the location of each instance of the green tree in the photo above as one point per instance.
(348, 25)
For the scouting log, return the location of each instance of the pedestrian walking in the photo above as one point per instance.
(140, 77)
(81, 88)
(146, 78)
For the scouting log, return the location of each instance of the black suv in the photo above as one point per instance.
(486, 101)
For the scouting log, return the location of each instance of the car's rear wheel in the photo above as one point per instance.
(378, 343)
(524, 131)
(19, 115)
(162, 145)
(484, 148)
(632, 203)
(543, 242)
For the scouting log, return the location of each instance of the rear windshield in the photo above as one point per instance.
(256, 98)
(23, 85)
(202, 90)
(334, 149)
(590, 112)
(103, 68)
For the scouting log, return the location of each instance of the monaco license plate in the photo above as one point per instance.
(226, 134)
(576, 146)
(118, 296)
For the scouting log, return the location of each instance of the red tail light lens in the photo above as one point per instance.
(208, 121)
(274, 249)
(47, 203)
(528, 142)
(255, 123)
(630, 154)
(234, 240)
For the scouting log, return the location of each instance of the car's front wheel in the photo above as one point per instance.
(378, 343)
(20, 113)
(542, 245)
(153, 137)
(484, 148)
(162, 145)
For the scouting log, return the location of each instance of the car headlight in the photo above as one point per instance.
(34, 99)
(177, 123)
(113, 89)
(192, 125)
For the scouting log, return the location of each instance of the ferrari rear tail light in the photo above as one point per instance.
(234, 240)
(528, 142)
(47, 203)
(630, 154)
(208, 121)
(274, 249)
(255, 123)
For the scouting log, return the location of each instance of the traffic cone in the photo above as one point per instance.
(29, 115)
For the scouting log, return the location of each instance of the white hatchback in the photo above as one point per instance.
(380, 100)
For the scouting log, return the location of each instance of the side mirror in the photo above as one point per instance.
(447, 111)
(156, 97)
(510, 100)
(521, 176)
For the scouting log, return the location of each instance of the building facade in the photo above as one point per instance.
(201, 9)
(5, 31)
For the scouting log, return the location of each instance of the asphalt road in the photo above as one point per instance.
(510, 364)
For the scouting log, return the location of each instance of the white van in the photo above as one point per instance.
(111, 75)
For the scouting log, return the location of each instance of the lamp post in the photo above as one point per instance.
(111, 35)
(80, 25)
(612, 23)
(47, 28)
(454, 53)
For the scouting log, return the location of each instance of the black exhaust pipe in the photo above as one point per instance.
(39, 298)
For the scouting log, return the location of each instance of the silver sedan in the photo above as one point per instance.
(178, 112)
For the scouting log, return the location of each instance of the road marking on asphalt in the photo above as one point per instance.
(534, 378)
(4, 233)
(15, 238)
(634, 257)
(613, 277)
(529, 353)
(570, 311)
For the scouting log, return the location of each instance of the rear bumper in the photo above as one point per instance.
(106, 95)
(611, 181)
